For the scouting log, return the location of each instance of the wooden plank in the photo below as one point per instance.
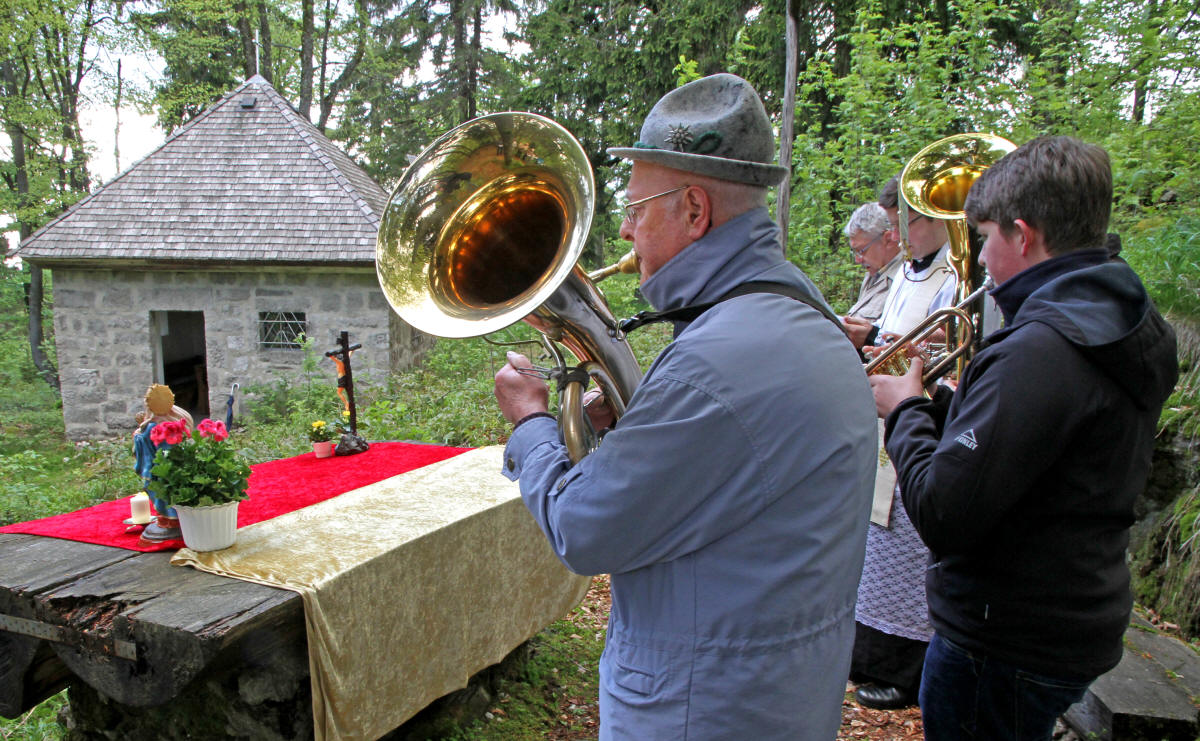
(33, 563)
(29, 671)
(179, 620)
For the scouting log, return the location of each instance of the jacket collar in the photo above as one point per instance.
(1011, 294)
(722, 259)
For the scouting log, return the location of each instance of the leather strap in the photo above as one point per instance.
(693, 312)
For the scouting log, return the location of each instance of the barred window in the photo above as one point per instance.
(281, 329)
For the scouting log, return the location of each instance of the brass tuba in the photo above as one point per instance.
(935, 183)
(484, 229)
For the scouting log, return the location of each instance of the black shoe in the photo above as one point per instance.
(882, 697)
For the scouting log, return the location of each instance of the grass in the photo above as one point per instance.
(39, 724)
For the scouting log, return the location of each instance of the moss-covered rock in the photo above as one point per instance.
(1165, 546)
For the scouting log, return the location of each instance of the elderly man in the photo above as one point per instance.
(876, 248)
(728, 502)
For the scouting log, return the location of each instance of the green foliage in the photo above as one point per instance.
(198, 470)
(40, 723)
(1167, 257)
(686, 71)
(43, 165)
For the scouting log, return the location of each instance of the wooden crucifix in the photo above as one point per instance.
(340, 356)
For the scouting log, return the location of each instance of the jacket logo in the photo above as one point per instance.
(967, 439)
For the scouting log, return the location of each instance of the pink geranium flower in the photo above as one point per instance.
(170, 432)
(212, 428)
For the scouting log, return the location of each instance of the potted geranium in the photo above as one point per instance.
(321, 435)
(203, 478)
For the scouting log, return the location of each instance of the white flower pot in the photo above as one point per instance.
(323, 450)
(208, 528)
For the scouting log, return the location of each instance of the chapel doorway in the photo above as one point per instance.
(177, 340)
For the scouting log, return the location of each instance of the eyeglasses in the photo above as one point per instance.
(860, 251)
(910, 222)
(631, 213)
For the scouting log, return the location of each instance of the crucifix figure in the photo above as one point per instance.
(340, 356)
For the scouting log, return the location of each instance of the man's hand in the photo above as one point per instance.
(600, 413)
(519, 395)
(883, 342)
(857, 330)
(891, 390)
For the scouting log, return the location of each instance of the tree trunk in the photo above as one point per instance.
(787, 133)
(458, 63)
(117, 121)
(350, 69)
(264, 42)
(1141, 86)
(16, 137)
(306, 55)
(246, 35)
(473, 61)
(36, 298)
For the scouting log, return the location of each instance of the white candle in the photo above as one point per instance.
(139, 508)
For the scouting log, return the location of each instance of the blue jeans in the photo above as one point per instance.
(972, 696)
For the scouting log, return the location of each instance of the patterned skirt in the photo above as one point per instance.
(891, 594)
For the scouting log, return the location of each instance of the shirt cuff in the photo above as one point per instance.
(528, 417)
(524, 440)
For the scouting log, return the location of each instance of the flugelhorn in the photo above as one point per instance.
(485, 229)
(935, 183)
(893, 360)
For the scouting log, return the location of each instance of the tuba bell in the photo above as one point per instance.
(485, 229)
(935, 183)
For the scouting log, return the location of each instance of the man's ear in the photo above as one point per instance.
(1033, 243)
(698, 210)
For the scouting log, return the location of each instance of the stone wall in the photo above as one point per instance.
(103, 335)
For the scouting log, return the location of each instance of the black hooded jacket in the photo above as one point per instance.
(1024, 487)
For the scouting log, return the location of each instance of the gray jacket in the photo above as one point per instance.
(729, 504)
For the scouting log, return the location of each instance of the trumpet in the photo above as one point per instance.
(893, 360)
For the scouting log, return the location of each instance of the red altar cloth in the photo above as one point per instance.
(276, 488)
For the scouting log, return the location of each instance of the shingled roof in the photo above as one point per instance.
(247, 181)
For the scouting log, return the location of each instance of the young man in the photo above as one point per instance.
(925, 283)
(728, 502)
(1022, 482)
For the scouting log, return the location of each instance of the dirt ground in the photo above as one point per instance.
(857, 722)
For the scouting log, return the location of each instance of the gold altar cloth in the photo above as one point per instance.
(410, 586)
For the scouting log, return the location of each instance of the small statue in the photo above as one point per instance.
(159, 407)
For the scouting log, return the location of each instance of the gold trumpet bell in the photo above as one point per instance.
(484, 225)
(484, 230)
(936, 180)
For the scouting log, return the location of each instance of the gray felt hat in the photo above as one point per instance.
(714, 126)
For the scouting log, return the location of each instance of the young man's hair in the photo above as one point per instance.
(1058, 184)
(889, 194)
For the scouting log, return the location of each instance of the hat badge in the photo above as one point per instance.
(679, 137)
